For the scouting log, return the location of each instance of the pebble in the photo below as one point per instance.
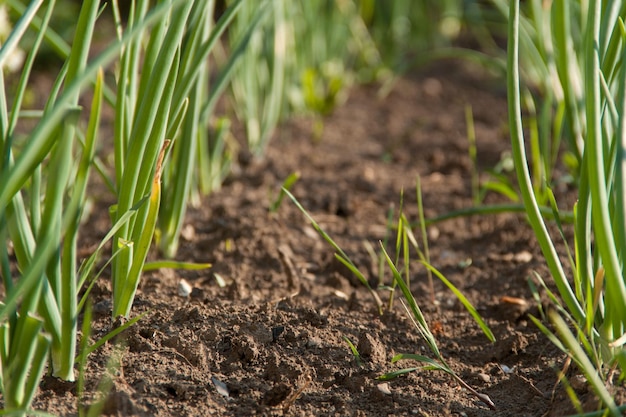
(384, 388)
(184, 288)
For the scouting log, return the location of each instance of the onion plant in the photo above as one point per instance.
(44, 232)
(594, 299)
(145, 113)
(258, 84)
(44, 175)
(167, 99)
(333, 45)
(194, 101)
(403, 27)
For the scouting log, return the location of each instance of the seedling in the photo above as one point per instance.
(353, 349)
(416, 315)
(340, 255)
(287, 184)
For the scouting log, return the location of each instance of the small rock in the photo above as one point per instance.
(221, 387)
(523, 256)
(184, 288)
(484, 377)
(310, 232)
(507, 370)
(432, 87)
(188, 233)
(433, 233)
(341, 295)
(221, 282)
(384, 388)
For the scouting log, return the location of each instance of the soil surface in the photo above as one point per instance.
(265, 330)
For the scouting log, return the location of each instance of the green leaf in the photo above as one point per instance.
(468, 306)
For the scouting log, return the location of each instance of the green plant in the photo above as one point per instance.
(404, 237)
(192, 109)
(354, 350)
(215, 156)
(340, 255)
(401, 278)
(166, 100)
(333, 47)
(258, 84)
(421, 325)
(594, 301)
(145, 114)
(44, 237)
(45, 173)
(403, 27)
(287, 184)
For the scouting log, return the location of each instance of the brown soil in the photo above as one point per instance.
(271, 341)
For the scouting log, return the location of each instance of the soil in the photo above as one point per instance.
(264, 331)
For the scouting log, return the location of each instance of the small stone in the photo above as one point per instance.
(384, 388)
(220, 387)
(506, 369)
(523, 256)
(433, 233)
(484, 377)
(221, 282)
(341, 295)
(184, 288)
(188, 233)
(310, 232)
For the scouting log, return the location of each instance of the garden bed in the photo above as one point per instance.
(271, 339)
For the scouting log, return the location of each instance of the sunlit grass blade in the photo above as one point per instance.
(431, 364)
(340, 254)
(100, 342)
(394, 374)
(416, 312)
(580, 357)
(188, 266)
(468, 306)
(425, 253)
(354, 350)
(287, 184)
